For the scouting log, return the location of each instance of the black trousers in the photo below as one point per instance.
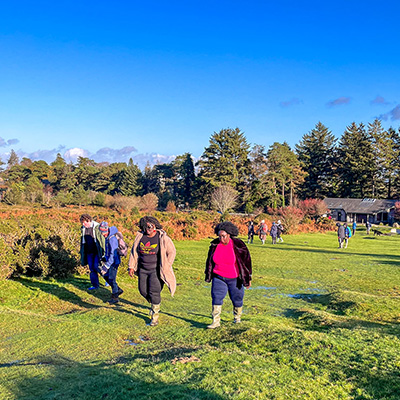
(150, 285)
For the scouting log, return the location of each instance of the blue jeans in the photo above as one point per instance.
(93, 262)
(111, 278)
(221, 286)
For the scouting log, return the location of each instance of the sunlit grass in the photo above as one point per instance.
(319, 323)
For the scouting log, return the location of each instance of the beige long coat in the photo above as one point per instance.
(167, 253)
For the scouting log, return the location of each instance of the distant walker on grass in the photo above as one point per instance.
(250, 232)
(111, 260)
(262, 231)
(92, 248)
(151, 259)
(354, 226)
(368, 227)
(341, 234)
(347, 235)
(274, 232)
(280, 230)
(228, 267)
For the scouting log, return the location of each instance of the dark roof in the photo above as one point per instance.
(360, 206)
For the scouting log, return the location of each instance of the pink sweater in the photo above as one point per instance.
(225, 261)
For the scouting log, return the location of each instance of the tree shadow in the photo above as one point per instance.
(137, 310)
(67, 379)
(59, 291)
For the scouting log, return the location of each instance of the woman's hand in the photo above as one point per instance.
(131, 272)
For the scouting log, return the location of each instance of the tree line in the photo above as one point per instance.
(363, 162)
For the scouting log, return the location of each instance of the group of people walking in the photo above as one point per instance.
(275, 232)
(228, 265)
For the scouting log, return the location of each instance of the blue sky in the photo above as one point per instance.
(154, 79)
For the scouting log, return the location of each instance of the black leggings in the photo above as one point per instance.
(150, 285)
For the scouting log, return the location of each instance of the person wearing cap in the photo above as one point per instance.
(151, 259)
(280, 230)
(92, 248)
(111, 260)
(228, 267)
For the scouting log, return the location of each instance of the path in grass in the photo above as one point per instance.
(319, 323)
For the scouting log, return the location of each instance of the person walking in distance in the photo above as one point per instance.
(274, 232)
(228, 267)
(262, 231)
(368, 227)
(347, 235)
(280, 230)
(250, 232)
(151, 259)
(341, 234)
(354, 226)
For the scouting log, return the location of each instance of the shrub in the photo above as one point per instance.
(99, 199)
(313, 208)
(41, 251)
(292, 216)
(149, 202)
(121, 203)
(171, 207)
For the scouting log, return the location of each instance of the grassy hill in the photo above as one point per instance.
(319, 323)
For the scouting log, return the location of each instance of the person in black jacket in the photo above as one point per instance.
(228, 266)
(250, 232)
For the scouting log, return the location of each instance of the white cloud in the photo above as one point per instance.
(72, 155)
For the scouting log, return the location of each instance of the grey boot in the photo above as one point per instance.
(237, 314)
(216, 314)
(154, 312)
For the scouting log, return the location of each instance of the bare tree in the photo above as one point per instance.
(224, 198)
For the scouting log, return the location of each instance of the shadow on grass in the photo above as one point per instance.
(59, 291)
(67, 379)
(137, 310)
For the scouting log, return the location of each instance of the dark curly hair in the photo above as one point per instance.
(85, 218)
(148, 220)
(228, 227)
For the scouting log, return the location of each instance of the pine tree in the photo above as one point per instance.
(316, 152)
(13, 159)
(130, 183)
(356, 168)
(383, 156)
(284, 171)
(225, 161)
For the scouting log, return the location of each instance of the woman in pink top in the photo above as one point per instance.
(228, 267)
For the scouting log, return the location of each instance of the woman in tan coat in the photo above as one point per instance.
(151, 259)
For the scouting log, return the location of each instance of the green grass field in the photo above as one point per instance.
(319, 323)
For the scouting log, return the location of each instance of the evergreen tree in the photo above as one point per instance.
(316, 152)
(259, 190)
(185, 180)
(284, 172)
(355, 168)
(394, 183)
(131, 177)
(383, 156)
(13, 159)
(225, 161)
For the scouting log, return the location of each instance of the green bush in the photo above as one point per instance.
(30, 247)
